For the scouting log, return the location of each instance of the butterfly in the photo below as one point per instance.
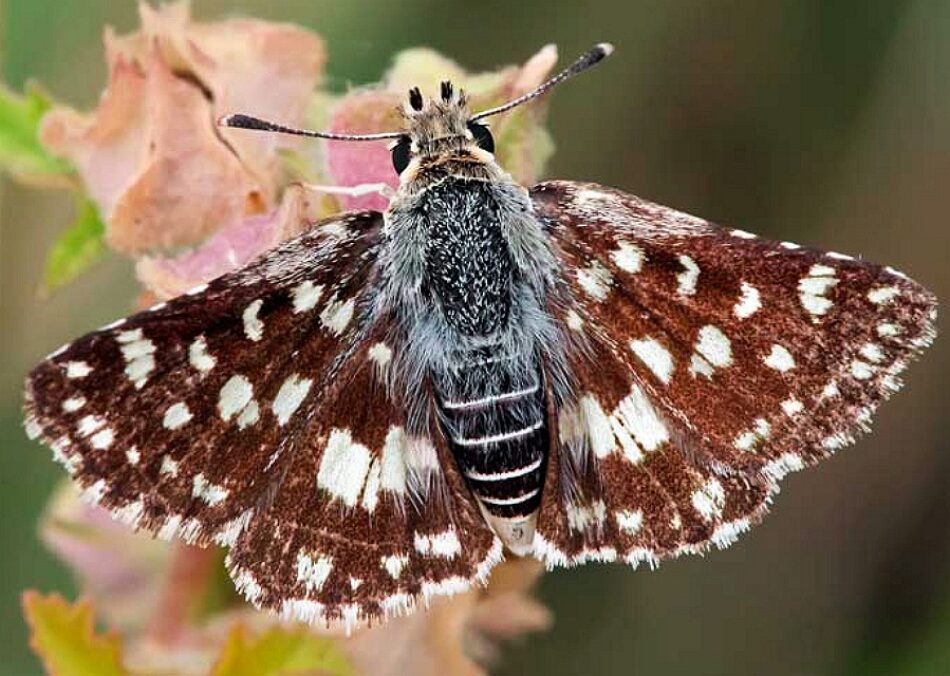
(379, 411)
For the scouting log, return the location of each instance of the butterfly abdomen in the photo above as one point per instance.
(494, 418)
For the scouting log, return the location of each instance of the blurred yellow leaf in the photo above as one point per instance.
(64, 636)
(77, 248)
(280, 652)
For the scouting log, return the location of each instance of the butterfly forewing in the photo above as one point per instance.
(721, 362)
(171, 417)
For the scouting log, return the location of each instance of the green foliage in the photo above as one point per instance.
(21, 153)
(77, 248)
(280, 652)
(64, 637)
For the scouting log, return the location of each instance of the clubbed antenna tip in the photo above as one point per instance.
(590, 58)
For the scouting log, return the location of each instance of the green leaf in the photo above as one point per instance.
(77, 248)
(64, 637)
(280, 651)
(21, 153)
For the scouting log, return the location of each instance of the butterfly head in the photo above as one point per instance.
(438, 130)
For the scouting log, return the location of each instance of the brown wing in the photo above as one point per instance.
(247, 410)
(717, 362)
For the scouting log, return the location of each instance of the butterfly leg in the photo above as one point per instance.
(354, 190)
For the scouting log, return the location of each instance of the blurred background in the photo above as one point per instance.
(825, 122)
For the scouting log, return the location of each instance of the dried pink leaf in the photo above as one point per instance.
(456, 635)
(245, 65)
(351, 163)
(233, 246)
(152, 157)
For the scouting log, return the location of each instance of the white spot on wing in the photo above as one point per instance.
(595, 424)
(290, 396)
(656, 357)
(337, 315)
(371, 490)
(813, 290)
(574, 321)
(629, 521)
(780, 359)
(393, 467)
(882, 294)
(710, 499)
(77, 369)
(635, 414)
(198, 355)
(581, 517)
(861, 370)
(89, 424)
(872, 352)
(253, 326)
(830, 390)
(250, 414)
(714, 346)
(305, 296)
(234, 396)
(208, 492)
(102, 439)
(176, 415)
(749, 302)
(169, 466)
(381, 354)
(73, 404)
(887, 330)
(343, 467)
(595, 280)
(628, 257)
(747, 441)
(313, 572)
(687, 279)
(444, 545)
(394, 564)
(138, 353)
(792, 407)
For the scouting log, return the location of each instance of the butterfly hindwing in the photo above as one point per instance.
(651, 499)
(345, 538)
(715, 362)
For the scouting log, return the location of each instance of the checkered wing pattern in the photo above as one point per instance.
(253, 413)
(709, 363)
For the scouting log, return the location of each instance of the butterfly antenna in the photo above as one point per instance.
(241, 121)
(588, 59)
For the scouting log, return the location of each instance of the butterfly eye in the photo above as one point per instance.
(482, 136)
(401, 154)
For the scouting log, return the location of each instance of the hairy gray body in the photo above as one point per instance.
(468, 271)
